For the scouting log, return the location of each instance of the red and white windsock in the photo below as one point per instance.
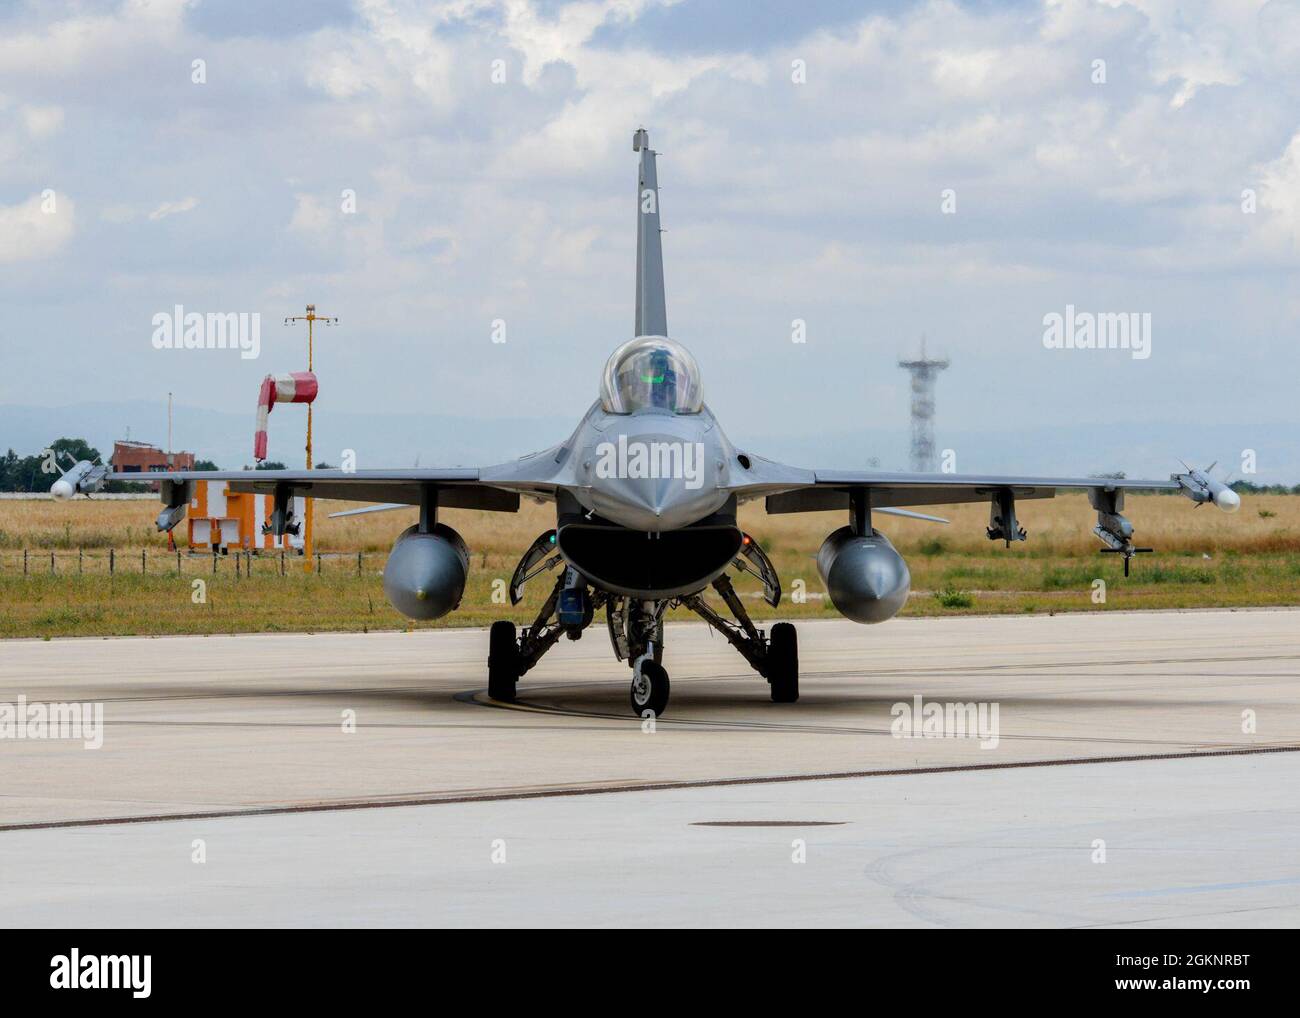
(297, 387)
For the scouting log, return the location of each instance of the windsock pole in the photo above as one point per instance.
(308, 504)
(310, 318)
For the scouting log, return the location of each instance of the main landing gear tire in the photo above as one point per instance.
(649, 688)
(503, 661)
(783, 663)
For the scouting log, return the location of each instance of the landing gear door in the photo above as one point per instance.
(762, 568)
(527, 568)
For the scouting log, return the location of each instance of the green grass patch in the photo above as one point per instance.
(951, 597)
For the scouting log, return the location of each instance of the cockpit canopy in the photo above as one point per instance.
(651, 372)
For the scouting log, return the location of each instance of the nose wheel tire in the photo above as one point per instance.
(649, 688)
(783, 663)
(503, 661)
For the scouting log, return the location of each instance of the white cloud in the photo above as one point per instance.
(478, 200)
(28, 232)
(310, 215)
(42, 121)
(173, 208)
(1279, 200)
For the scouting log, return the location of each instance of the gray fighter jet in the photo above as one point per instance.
(645, 493)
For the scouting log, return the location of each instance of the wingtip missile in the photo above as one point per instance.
(82, 478)
(1200, 487)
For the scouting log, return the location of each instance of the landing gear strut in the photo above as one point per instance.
(636, 629)
(509, 658)
(776, 658)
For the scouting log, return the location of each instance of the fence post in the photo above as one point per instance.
(318, 563)
(80, 561)
(111, 558)
(51, 563)
(178, 562)
(281, 561)
(143, 553)
(24, 561)
(214, 561)
(358, 563)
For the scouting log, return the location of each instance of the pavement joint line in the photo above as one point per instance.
(662, 786)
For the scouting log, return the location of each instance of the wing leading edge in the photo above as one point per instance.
(830, 489)
(457, 487)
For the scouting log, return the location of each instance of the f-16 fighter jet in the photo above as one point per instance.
(645, 493)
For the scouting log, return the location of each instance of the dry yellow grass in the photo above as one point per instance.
(1060, 526)
(1204, 559)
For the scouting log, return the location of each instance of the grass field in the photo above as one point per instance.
(1204, 559)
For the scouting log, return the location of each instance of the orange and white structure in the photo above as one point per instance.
(221, 519)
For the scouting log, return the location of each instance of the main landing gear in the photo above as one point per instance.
(636, 630)
(567, 611)
(774, 657)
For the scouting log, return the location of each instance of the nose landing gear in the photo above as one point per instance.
(636, 630)
(649, 687)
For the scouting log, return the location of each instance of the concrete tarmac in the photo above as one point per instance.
(286, 755)
(1160, 843)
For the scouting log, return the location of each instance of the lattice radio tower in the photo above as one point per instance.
(924, 371)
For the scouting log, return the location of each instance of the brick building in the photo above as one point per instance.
(130, 457)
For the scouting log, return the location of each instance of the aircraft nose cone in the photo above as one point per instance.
(654, 495)
(61, 490)
(642, 504)
(654, 504)
(657, 473)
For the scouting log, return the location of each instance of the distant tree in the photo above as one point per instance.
(323, 466)
(126, 488)
(270, 465)
(73, 450)
(205, 465)
(8, 470)
(1249, 488)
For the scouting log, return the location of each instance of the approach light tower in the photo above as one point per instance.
(924, 371)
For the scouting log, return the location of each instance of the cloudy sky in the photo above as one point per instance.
(806, 152)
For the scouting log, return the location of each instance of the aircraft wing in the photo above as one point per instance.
(829, 489)
(789, 490)
(495, 489)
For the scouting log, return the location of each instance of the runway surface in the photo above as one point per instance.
(282, 755)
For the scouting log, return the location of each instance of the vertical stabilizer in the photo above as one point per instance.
(651, 308)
